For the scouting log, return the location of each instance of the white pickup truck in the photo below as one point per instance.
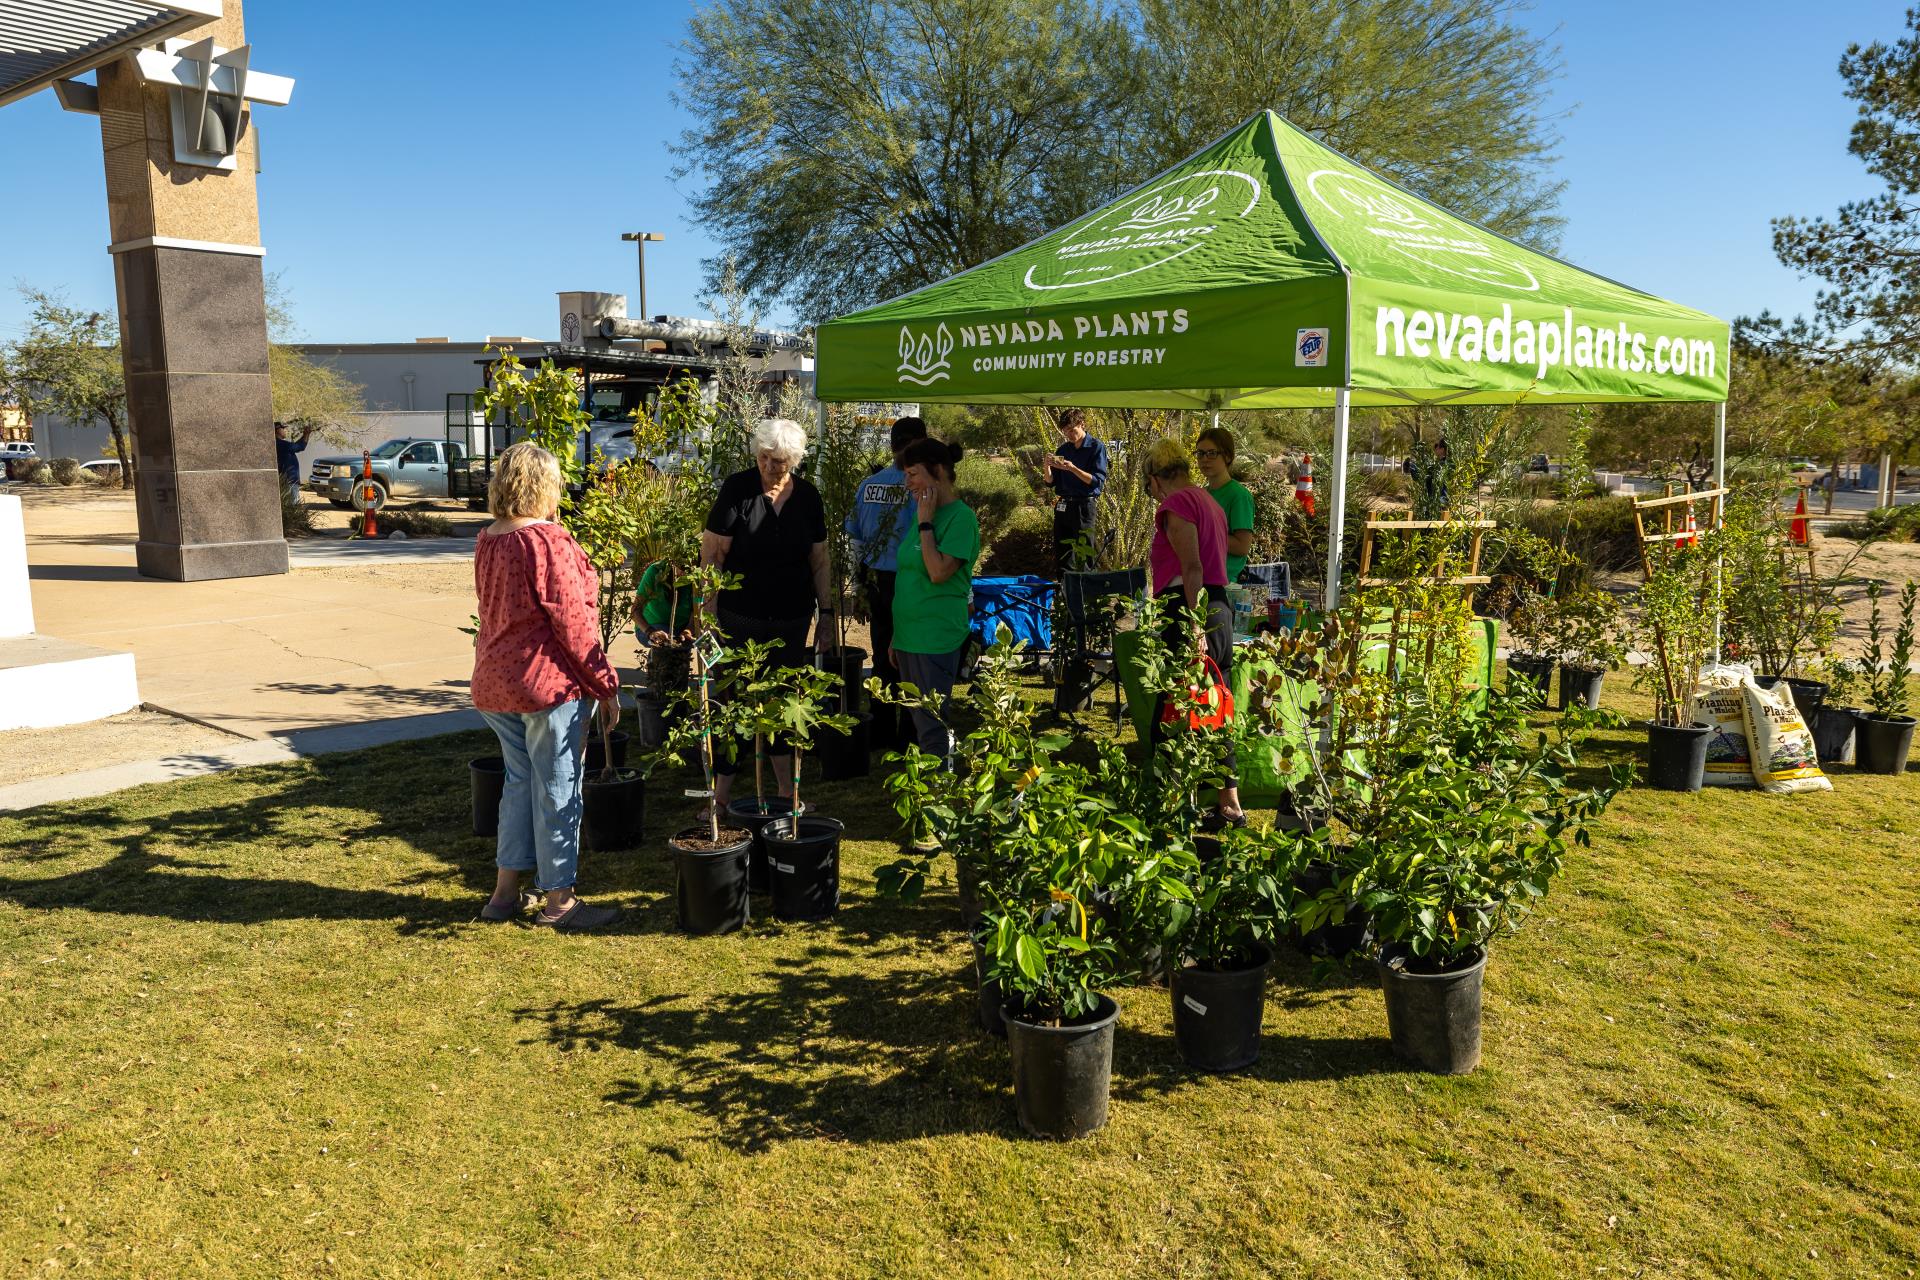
(411, 467)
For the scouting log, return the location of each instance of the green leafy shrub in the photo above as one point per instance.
(65, 470)
(995, 491)
(1883, 524)
(1023, 545)
(1382, 486)
(1599, 535)
(296, 517)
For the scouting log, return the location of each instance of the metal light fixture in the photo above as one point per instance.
(640, 239)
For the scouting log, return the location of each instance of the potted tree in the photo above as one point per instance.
(1782, 612)
(1884, 735)
(1676, 631)
(1588, 640)
(1530, 656)
(843, 456)
(1839, 711)
(710, 860)
(1053, 954)
(803, 849)
(1468, 840)
(1222, 935)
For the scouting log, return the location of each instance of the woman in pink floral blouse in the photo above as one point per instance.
(539, 676)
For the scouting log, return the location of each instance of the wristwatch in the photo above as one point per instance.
(926, 526)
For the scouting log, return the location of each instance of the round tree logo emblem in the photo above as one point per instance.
(1149, 229)
(1430, 238)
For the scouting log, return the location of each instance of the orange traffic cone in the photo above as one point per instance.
(1691, 537)
(369, 527)
(1797, 532)
(1303, 485)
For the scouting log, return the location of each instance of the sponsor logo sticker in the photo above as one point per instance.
(1310, 348)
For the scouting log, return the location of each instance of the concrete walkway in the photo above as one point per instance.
(358, 632)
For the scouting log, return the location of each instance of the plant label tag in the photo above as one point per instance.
(1194, 1005)
(698, 795)
(784, 868)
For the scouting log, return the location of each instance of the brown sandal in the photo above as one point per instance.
(577, 918)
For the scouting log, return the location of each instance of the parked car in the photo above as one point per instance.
(105, 470)
(410, 467)
(15, 455)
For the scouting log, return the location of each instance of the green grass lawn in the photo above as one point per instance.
(248, 1028)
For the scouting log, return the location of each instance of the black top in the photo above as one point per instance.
(770, 549)
(1091, 457)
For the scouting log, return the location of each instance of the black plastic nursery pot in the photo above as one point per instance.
(710, 889)
(1061, 1075)
(1677, 756)
(1525, 668)
(1881, 745)
(1330, 941)
(488, 776)
(967, 878)
(1075, 690)
(752, 815)
(650, 720)
(850, 664)
(596, 754)
(613, 810)
(1433, 1017)
(1807, 695)
(1833, 729)
(805, 867)
(988, 1005)
(1216, 1013)
(845, 755)
(1581, 685)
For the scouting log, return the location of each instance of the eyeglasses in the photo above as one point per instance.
(1206, 453)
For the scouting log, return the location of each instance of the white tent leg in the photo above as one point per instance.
(1719, 482)
(1337, 498)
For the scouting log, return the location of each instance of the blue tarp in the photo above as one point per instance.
(1024, 604)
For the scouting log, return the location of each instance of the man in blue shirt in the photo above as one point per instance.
(1077, 474)
(882, 515)
(289, 450)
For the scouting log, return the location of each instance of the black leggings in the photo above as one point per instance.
(739, 627)
(1219, 648)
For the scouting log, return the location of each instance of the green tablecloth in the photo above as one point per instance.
(1262, 775)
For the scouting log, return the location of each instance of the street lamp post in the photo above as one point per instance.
(640, 239)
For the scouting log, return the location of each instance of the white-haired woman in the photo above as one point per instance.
(769, 527)
(539, 676)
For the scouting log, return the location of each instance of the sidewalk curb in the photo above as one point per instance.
(243, 754)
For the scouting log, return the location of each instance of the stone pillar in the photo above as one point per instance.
(193, 334)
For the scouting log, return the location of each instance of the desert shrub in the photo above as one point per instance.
(1385, 486)
(1890, 524)
(105, 477)
(415, 524)
(39, 472)
(65, 470)
(1023, 545)
(995, 491)
(1537, 484)
(296, 517)
(1598, 533)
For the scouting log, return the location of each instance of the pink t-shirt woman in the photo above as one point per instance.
(1196, 507)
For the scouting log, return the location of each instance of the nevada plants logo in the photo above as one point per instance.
(1148, 229)
(923, 360)
(1433, 239)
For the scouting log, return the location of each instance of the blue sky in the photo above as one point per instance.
(446, 168)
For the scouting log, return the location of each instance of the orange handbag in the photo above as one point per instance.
(1208, 707)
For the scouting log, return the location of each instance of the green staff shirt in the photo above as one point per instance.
(931, 617)
(656, 598)
(1237, 503)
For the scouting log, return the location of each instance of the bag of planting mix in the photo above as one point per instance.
(1720, 700)
(1784, 757)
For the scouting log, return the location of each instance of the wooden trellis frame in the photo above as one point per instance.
(1667, 532)
(1472, 578)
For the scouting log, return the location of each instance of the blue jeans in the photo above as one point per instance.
(540, 805)
(932, 673)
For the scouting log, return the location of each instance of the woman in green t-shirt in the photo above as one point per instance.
(1214, 453)
(655, 601)
(932, 585)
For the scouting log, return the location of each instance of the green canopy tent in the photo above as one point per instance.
(1270, 271)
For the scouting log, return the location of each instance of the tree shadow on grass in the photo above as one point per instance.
(168, 861)
(886, 1054)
